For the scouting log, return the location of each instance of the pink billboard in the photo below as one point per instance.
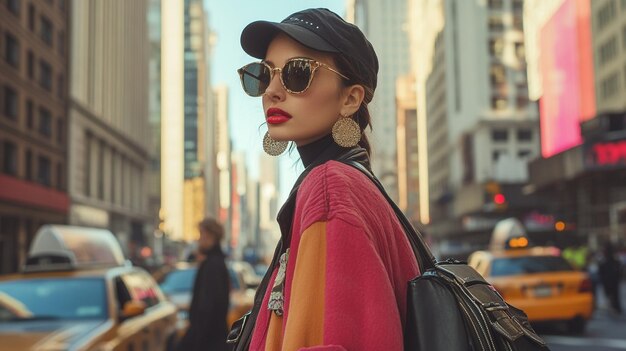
(566, 66)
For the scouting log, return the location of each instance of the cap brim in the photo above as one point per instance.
(256, 37)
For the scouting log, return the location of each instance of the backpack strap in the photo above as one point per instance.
(425, 259)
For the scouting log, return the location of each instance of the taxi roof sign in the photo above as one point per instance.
(504, 231)
(63, 246)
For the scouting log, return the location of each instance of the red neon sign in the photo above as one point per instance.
(609, 153)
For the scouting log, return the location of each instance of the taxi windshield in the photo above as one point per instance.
(528, 265)
(52, 299)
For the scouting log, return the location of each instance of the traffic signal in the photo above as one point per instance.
(495, 197)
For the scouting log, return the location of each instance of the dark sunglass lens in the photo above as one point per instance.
(296, 75)
(255, 79)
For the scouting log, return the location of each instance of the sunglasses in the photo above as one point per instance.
(295, 76)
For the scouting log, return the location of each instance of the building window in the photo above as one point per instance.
(495, 24)
(30, 114)
(60, 130)
(608, 50)
(606, 14)
(101, 170)
(59, 176)
(60, 86)
(518, 5)
(518, 22)
(499, 102)
(496, 154)
(46, 30)
(496, 46)
(87, 164)
(114, 181)
(62, 5)
(43, 170)
(61, 43)
(9, 158)
(45, 75)
(524, 154)
(31, 17)
(10, 102)
(497, 73)
(522, 102)
(45, 122)
(11, 50)
(496, 4)
(499, 135)
(609, 86)
(30, 62)
(28, 160)
(14, 6)
(524, 135)
(520, 51)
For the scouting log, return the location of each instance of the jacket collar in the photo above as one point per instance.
(332, 151)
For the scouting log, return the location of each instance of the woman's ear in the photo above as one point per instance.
(352, 99)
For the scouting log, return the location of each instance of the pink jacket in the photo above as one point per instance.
(347, 271)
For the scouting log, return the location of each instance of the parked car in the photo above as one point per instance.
(77, 292)
(539, 281)
(247, 273)
(177, 284)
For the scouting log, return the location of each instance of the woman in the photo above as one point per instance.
(340, 272)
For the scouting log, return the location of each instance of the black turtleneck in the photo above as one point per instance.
(309, 152)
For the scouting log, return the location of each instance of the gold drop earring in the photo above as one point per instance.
(346, 132)
(273, 147)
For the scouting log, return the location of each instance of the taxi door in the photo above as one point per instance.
(151, 330)
(130, 334)
(162, 314)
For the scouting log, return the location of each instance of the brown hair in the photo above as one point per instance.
(213, 227)
(362, 115)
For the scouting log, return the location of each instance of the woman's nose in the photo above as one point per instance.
(275, 90)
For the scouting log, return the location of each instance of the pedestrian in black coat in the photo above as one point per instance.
(610, 275)
(209, 303)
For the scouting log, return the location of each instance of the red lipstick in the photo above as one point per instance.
(277, 116)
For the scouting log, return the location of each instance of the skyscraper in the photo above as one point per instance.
(385, 25)
(108, 113)
(154, 168)
(186, 117)
(479, 128)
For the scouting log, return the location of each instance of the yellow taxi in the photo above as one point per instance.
(539, 281)
(77, 292)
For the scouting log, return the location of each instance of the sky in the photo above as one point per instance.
(227, 19)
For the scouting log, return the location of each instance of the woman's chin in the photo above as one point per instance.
(280, 136)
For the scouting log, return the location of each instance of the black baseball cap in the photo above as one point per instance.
(318, 29)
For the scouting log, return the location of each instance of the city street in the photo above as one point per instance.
(605, 332)
(162, 161)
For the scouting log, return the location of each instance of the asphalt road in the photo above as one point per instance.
(606, 331)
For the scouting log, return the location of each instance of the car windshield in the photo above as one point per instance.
(182, 280)
(52, 299)
(179, 281)
(528, 265)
